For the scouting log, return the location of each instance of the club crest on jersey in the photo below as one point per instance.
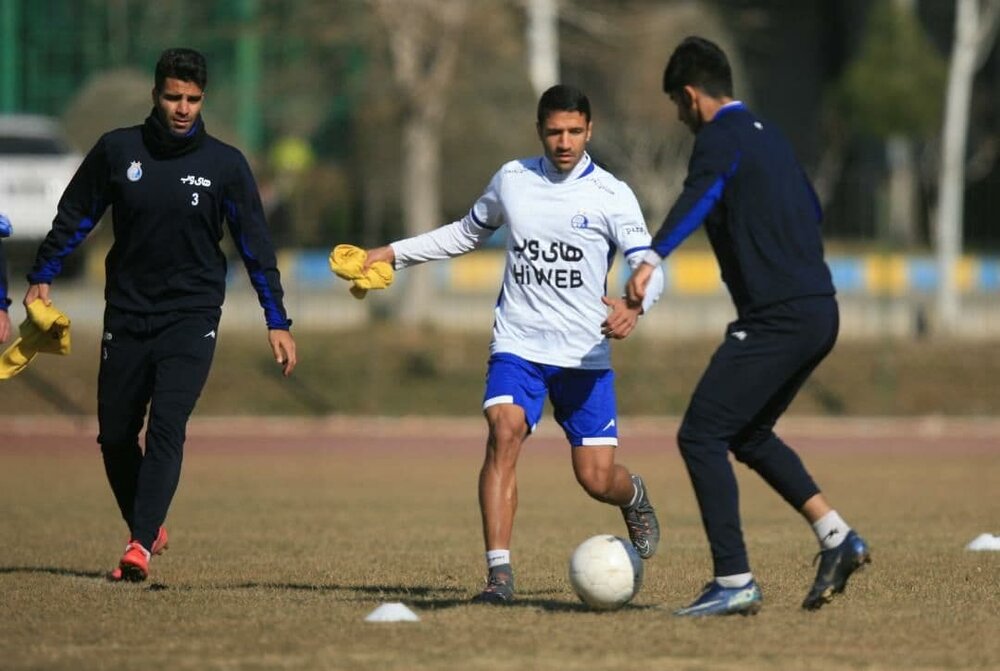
(579, 220)
(196, 181)
(134, 172)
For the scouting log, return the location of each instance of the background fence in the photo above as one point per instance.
(314, 94)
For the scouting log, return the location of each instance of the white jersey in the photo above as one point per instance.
(564, 232)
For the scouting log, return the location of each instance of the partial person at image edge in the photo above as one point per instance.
(5, 231)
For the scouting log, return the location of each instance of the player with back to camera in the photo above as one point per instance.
(763, 221)
(567, 216)
(171, 187)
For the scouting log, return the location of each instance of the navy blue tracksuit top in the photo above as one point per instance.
(168, 218)
(759, 209)
(4, 301)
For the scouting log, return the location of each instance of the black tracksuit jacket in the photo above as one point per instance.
(759, 210)
(168, 218)
(4, 300)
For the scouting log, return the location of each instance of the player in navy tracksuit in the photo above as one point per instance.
(5, 231)
(171, 186)
(762, 217)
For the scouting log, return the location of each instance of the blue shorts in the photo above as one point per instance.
(583, 400)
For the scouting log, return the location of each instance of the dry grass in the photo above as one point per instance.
(284, 537)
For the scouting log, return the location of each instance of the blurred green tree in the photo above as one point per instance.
(894, 90)
(896, 84)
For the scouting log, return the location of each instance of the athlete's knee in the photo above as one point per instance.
(506, 432)
(113, 448)
(166, 429)
(689, 437)
(749, 452)
(757, 447)
(595, 478)
(120, 451)
(117, 440)
(700, 443)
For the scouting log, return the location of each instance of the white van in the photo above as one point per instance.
(36, 164)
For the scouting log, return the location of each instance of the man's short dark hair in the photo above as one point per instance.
(186, 65)
(563, 98)
(700, 63)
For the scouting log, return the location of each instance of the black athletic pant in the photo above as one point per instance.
(752, 378)
(159, 361)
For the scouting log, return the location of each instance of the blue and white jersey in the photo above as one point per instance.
(565, 230)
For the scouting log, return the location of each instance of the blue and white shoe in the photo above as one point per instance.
(835, 566)
(718, 600)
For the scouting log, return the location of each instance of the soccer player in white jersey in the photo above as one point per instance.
(567, 217)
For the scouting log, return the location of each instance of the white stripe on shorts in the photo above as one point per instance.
(607, 440)
(498, 400)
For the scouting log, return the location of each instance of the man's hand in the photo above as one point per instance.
(4, 325)
(635, 289)
(622, 318)
(283, 347)
(37, 291)
(384, 253)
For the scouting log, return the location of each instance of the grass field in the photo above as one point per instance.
(286, 533)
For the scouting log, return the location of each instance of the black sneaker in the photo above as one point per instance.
(640, 518)
(499, 586)
(835, 566)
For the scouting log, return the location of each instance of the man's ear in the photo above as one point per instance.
(688, 94)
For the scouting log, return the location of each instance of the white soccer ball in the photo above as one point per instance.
(605, 571)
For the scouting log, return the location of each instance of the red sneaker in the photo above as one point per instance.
(134, 564)
(161, 543)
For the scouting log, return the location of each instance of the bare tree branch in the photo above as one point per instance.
(424, 44)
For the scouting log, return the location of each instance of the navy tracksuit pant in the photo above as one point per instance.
(159, 361)
(752, 378)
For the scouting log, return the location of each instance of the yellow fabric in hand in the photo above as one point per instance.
(348, 262)
(44, 330)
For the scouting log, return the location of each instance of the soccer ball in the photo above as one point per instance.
(605, 571)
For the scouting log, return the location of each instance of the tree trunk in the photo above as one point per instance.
(543, 44)
(902, 191)
(951, 179)
(421, 205)
(424, 41)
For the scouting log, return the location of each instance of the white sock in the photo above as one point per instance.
(830, 530)
(497, 558)
(635, 496)
(731, 581)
